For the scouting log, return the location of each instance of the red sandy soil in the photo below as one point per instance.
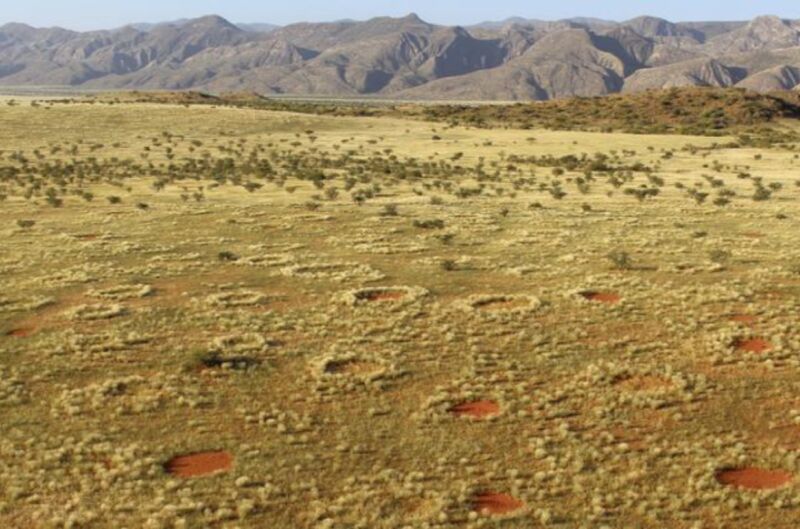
(382, 295)
(199, 464)
(87, 237)
(480, 409)
(22, 332)
(754, 478)
(753, 345)
(495, 503)
(745, 319)
(602, 297)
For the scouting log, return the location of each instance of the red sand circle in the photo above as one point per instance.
(22, 332)
(495, 503)
(199, 464)
(352, 367)
(479, 409)
(602, 297)
(754, 478)
(753, 345)
(382, 295)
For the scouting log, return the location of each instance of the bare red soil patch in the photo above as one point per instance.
(502, 304)
(754, 478)
(87, 237)
(21, 332)
(495, 503)
(746, 319)
(199, 464)
(381, 295)
(753, 345)
(352, 367)
(479, 409)
(602, 297)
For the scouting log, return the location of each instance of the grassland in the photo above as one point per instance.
(388, 322)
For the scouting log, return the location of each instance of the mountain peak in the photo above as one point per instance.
(210, 21)
(768, 20)
(16, 26)
(648, 26)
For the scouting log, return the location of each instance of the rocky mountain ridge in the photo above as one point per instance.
(409, 58)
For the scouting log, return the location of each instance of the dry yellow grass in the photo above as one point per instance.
(254, 322)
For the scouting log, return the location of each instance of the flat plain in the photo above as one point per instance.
(216, 316)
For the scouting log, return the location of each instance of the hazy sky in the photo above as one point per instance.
(94, 14)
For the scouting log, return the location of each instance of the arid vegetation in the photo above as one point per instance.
(225, 314)
(692, 111)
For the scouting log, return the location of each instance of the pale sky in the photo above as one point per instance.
(105, 14)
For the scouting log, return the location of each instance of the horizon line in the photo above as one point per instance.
(410, 15)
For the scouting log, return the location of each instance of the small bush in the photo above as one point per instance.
(720, 257)
(390, 210)
(448, 265)
(620, 259)
(432, 224)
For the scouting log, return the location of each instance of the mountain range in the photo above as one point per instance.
(408, 58)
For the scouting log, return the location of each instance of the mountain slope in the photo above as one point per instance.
(408, 57)
(698, 72)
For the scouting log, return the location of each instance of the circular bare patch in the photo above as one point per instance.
(333, 271)
(392, 295)
(199, 464)
(241, 343)
(380, 295)
(501, 303)
(353, 366)
(754, 478)
(338, 373)
(217, 361)
(123, 292)
(238, 298)
(609, 298)
(753, 345)
(21, 332)
(267, 260)
(478, 409)
(97, 312)
(495, 503)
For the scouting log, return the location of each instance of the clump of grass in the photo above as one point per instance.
(620, 259)
(448, 265)
(389, 210)
(761, 194)
(720, 257)
(431, 224)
